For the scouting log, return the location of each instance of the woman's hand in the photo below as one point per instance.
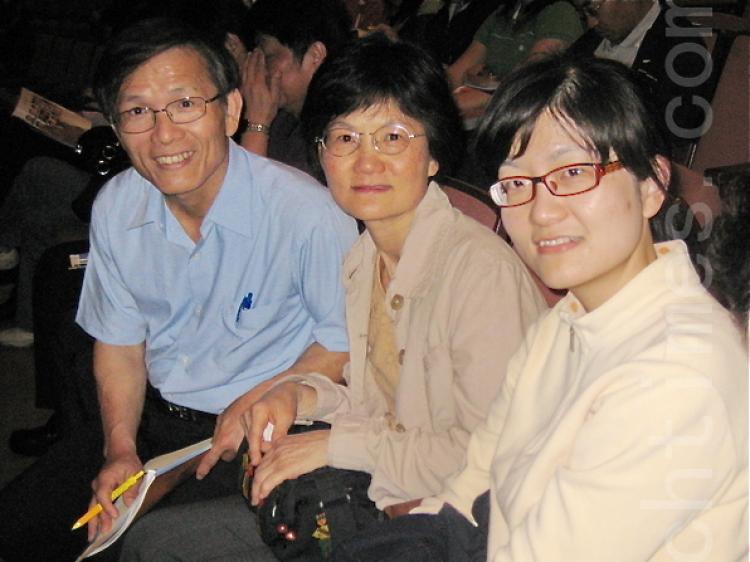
(289, 457)
(116, 470)
(260, 92)
(278, 406)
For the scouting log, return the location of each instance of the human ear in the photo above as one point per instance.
(233, 112)
(315, 55)
(653, 192)
(432, 168)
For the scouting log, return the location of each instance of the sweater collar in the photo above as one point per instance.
(636, 303)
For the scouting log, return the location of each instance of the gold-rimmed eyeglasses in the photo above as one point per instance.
(140, 119)
(572, 179)
(391, 139)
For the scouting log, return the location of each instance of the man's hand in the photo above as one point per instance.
(260, 91)
(116, 470)
(289, 457)
(230, 430)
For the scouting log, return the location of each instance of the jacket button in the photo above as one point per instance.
(397, 302)
(399, 428)
(401, 356)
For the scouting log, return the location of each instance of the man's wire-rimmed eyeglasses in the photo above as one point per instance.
(140, 119)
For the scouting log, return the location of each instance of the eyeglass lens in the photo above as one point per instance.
(389, 139)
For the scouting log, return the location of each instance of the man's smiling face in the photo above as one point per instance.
(179, 159)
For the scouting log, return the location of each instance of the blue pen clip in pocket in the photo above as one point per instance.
(246, 304)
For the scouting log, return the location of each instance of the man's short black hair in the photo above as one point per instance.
(378, 70)
(144, 40)
(297, 24)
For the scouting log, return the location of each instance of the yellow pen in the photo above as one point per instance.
(116, 493)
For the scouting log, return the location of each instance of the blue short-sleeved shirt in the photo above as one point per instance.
(218, 317)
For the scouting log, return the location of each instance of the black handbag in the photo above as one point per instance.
(306, 518)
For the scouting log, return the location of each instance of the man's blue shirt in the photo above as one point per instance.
(221, 315)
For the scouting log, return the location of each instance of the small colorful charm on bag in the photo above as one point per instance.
(323, 534)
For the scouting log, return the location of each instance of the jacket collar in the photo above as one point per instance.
(416, 267)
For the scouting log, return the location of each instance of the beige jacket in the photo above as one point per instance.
(620, 435)
(461, 301)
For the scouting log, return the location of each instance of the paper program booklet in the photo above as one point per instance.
(50, 119)
(162, 474)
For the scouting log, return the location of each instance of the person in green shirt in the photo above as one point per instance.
(511, 36)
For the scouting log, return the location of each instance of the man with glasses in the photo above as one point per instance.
(667, 58)
(212, 271)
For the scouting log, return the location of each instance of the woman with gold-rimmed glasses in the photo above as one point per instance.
(426, 286)
(620, 433)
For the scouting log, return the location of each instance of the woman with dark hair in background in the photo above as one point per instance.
(436, 305)
(620, 432)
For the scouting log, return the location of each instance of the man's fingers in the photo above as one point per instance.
(274, 86)
(93, 524)
(257, 66)
(103, 495)
(208, 461)
(131, 494)
(228, 454)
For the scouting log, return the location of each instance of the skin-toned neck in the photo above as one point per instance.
(191, 208)
(593, 295)
(389, 237)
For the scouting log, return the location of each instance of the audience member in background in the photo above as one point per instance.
(50, 206)
(667, 60)
(211, 271)
(369, 14)
(620, 433)
(516, 33)
(426, 288)
(37, 214)
(727, 254)
(448, 30)
(294, 37)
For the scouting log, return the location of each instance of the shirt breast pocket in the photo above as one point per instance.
(244, 322)
(256, 334)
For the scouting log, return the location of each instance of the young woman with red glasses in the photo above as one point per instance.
(620, 432)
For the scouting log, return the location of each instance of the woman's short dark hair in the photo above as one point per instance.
(378, 70)
(596, 98)
(142, 41)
